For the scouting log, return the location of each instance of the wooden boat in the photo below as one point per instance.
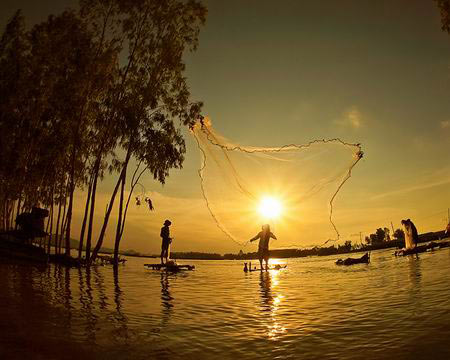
(422, 248)
(365, 259)
(170, 267)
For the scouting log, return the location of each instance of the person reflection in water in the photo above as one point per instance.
(166, 240)
(263, 247)
(166, 299)
(265, 287)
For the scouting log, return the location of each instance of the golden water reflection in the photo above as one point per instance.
(271, 300)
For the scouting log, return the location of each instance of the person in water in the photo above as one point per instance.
(166, 240)
(263, 247)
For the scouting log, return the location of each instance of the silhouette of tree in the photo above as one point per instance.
(14, 49)
(151, 92)
(69, 101)
(399, 234)
(387, 236)
(444, 7)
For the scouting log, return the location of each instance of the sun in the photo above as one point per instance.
(270, 207)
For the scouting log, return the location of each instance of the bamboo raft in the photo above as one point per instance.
(170, 267)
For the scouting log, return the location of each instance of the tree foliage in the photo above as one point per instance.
(84, 86)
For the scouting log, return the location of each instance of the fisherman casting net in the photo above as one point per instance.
(293, 187)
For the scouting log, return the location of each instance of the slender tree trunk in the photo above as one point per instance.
(18, 210)
(119, 220)
(61, 242)
(48, 223)
(11, 214)
(91, 213)
(63, 222)
(69, 209)
(105, 221)
(51, 225)
(83, 226)
(110, 206)
(57, 226)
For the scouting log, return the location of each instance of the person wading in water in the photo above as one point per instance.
(263, 247)
(166, 240)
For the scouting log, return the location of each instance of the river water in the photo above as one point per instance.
(393, 308)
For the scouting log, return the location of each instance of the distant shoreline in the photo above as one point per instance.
(291, 253)
(276, 253)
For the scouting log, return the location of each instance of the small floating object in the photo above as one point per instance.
(250, 269)
(171, 266)
(365, 259)
(109, 260)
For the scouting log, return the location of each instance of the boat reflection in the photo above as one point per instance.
(415, 278)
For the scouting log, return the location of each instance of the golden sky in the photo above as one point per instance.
(274, 73)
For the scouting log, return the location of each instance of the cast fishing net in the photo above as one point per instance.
(293, 187)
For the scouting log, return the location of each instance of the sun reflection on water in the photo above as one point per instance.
(271, 300)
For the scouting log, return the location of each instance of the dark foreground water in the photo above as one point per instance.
(394, 308)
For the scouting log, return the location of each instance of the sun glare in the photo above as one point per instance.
(269, 207)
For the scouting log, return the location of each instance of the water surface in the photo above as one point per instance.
(392, 308)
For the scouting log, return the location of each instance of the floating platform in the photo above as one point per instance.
(422, 248)
(170, 267)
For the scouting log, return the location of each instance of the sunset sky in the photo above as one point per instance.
(273, 73)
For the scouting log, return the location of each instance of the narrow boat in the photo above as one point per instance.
(365, 259)
(422, 248)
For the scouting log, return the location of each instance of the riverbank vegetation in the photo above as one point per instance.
(84, 93)
(348, 247)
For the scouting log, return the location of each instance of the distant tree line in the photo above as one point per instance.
(381, 240)
(383, 234)
(81, 95)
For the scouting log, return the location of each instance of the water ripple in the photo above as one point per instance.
(393, 307)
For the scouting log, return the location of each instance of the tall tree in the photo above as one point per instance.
(152, 92)
(83, 86)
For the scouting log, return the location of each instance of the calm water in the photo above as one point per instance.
(392, 308)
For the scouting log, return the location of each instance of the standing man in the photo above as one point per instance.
(166, 240)
(263, 247)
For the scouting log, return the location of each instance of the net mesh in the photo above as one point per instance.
(292, 187)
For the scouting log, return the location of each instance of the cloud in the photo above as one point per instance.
(441, 177)
(445, 124)
(351, 118)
